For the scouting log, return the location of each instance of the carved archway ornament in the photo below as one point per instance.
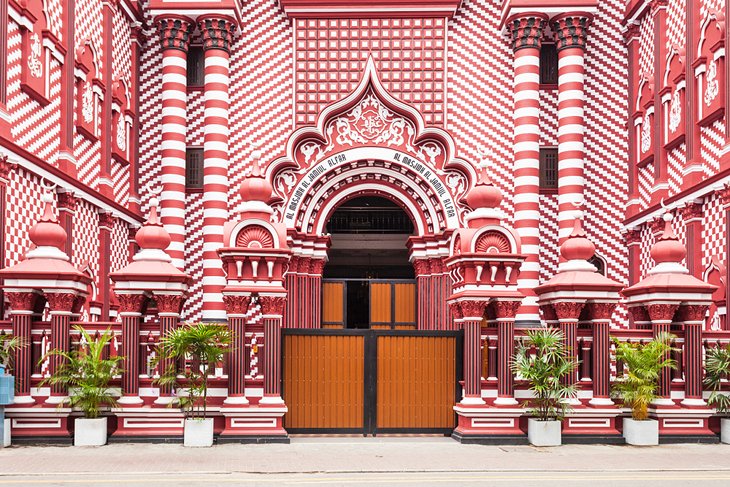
(370, 143)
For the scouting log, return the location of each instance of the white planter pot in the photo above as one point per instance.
(642, 433)
(90, 432)
(725, 430)
(198, 432)
(6, 433)
(544, 433)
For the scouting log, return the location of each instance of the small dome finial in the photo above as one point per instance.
(577, 247)
(668, 248)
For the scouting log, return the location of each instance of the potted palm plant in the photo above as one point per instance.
(545, 371)
(8, 345)
(639, 384)
(87, 374)
(204, 344)
(717, 372)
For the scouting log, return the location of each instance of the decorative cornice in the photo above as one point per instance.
(527, 31)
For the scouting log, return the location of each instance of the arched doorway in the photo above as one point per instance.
(369, 281)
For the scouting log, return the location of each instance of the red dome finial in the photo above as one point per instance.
(47, 232)
(577, 246)
(668, 248)
(256, 187)
(153, 235)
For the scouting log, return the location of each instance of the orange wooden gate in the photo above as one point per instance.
(370, 381)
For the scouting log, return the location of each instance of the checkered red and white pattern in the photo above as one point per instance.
(646, 263)
(54, 17)
(714, 225)
(550, 251)
(646, 45)
(120, 182)
(86, 238)
(119, 245)
(24, 209)
(675, 163)
(711, 143)
(549, 117)
(122, 47)
(676, 24)
(192, 311)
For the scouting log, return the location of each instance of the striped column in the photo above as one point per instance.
(61, 305)
(570, 37)
(291, 280)
(693, 317)
(130, 310)
(568, 313)
(168, 310)
(272, 308)
(236, 307)
(175, 35)
(471, 318)
(661, 320)
(423, 279)
(600, 314)
(526, 40)
(217, 35)
(506, 311)
(21, 316)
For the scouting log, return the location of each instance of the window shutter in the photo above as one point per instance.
(548, 64)
(196, 67)
(193, 168)
(548, 168)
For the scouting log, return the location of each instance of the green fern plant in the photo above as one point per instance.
(205, 344)
(639, 384)
(544, 372)
(9, 344)
(717, 370)
(86, 374)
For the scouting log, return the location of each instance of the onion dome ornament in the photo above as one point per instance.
(48, 235)
(256, 191)
(152, 238)
(484, 199)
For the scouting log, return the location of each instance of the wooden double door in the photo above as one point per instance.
(371, 381)
(369, 303)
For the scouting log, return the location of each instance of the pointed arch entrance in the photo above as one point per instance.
(369, 144)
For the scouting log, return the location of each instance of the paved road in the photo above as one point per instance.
(366, 461)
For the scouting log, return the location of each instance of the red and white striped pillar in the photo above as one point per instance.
(570, 37)
(168, 310)
(21, 317)
(236, 308)
(470, 316)
(527, 33)
(175, 34)
(272, 308)
(568, 313)
(693, 318)
(61, 306)
(130, 310)
(505, 311)
(217, 32)
(600, 314)
(661, 316)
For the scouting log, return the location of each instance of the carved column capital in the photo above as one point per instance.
(236, 304)
(130, 303)
(175, 31)
(106, 220)
(571, 30)
(724, 194)
(317, 266)
(472, 309)
(601, 311)
(61, 302)
(6, 166)
(693, 313)
(456, 310)
(568, 310)
(633, 236)
(217, 32)
(272, 305)
(527, 30)
(421, 266)
(21, 301)
(548, 312)
(169, 303)
(67, 201)
(691, 212)
(506, 309)
(661, 312)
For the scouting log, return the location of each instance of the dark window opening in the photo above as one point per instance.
(548, 168)
(196, 67)
(599, 263)
(548, 64)
(370, 215)
(193, 168)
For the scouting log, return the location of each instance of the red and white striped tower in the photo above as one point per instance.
(130, 311)
(693, 319)
(175, 33)
(168, 310)
(506, 311)
(527, 30)
(217, 32)
(21, 316)
(570, 36)
(272, 308)
(236, 307)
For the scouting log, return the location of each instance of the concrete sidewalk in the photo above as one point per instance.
(353, 455)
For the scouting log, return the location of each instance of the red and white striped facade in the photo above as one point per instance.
(94, 100)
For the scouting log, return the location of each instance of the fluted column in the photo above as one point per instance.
(505, 312)
(568, 313)
(570, 36)
(236, 307)
(175, 37)
(272, 308)
(600, 321)
(168, 310)
(61, 305)
(661, 320)
(130, 310)
(316, 269)
(291, 306)
(693, 318)
(423, 278)
(217, 32)
(21, 317)
(470, 316)
(526, 40)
